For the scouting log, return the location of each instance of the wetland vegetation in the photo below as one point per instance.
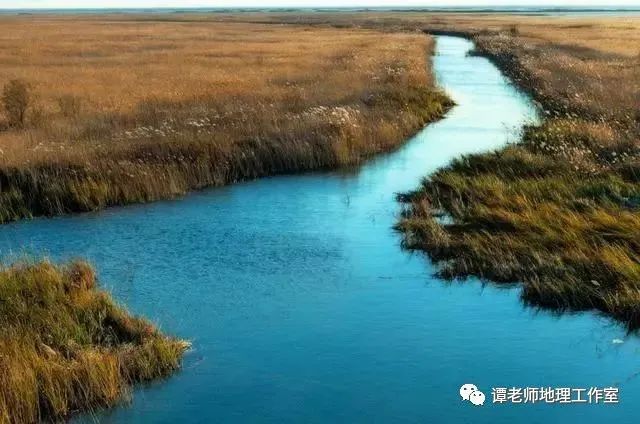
(66, 346)
(558, 211)
(139, 111)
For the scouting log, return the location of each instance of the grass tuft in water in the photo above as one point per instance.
(65, 346)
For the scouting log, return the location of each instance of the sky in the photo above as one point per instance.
(28, 4)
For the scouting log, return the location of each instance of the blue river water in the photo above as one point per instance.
(302, 307)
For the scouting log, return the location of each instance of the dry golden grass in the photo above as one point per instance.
(65, 346)
(608, 35)
(136, 111)
(618, 35)
(113, 66)
(583, 64)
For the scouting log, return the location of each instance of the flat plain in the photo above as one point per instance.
(133, 111)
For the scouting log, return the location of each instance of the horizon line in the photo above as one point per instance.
(597, 7)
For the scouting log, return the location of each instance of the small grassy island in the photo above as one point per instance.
(65, 346)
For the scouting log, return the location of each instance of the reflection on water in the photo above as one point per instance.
(303, 308)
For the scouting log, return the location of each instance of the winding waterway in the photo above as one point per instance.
(303, 308)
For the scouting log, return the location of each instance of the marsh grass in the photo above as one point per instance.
(559, 211)
(571, 238)
(65, 346)
(142, 111)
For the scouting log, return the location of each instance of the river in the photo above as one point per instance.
(302, 307)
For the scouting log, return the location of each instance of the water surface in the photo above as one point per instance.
(303, 308)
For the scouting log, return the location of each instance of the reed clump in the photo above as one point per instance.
(148, 110)
(65, 346)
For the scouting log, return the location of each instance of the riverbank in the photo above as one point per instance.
(559, 210)
(66, 347)
(150, 110)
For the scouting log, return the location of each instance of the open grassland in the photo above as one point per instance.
(559, 211)
(608, 35)
(133, 111)
(65, 346)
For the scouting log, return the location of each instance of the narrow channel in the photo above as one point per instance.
(302, 307)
